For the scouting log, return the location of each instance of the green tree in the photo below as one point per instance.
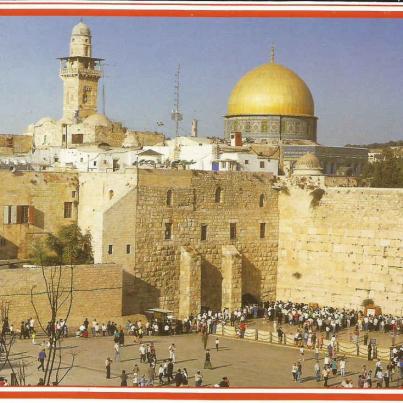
(68, 246)
(385, 173)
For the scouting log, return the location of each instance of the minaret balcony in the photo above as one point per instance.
(80, 72)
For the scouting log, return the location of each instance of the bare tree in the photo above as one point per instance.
(7, 338)
(58, 284)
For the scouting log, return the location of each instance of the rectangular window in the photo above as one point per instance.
(73, 194)
(110, 249)
(115, 165)
(203, 232)
(262, 230)
(246, 162)
(261, 164)
(232, 230)
(128, 249)
(168, 231)
(77, 138)
(95, 163)
(68, 208)
(224, 164)
(56, 159)
(22, 214)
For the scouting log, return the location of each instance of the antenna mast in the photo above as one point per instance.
(176, 115)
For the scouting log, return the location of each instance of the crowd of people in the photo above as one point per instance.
(165, 374)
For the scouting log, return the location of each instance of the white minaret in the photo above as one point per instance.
(80, 73)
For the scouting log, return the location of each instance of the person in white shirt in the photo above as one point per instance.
(342, 366)
(172, 350)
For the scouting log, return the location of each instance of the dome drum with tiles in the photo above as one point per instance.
(271, 102)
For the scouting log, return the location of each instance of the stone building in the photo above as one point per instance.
(32, 205)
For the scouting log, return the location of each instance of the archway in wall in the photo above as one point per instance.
(211, 286)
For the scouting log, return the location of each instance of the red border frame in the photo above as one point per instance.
(268, 10)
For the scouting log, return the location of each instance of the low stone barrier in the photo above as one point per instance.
(343, 347)
(250, 334)
(262, 335)
(229, 331)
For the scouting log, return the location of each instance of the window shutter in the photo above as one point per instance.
(6, 215)
(31, 215)
(13, 215)
(19, 214)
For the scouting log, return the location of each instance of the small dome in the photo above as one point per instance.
(308, 164)
(81, 29)
(271, 89)
(97, 119)
(44, 120)
(308, 160)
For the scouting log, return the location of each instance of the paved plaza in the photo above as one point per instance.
(245, 363)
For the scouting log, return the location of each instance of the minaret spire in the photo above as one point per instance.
(272, 54)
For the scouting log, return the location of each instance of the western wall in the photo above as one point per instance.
(341, 247)
(157, 267)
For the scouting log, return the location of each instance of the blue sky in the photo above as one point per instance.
(352, 66)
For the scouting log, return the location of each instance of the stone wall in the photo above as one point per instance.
(15, 144)
(97, 293)
(157, 260)
(343, 248)
(46, 193)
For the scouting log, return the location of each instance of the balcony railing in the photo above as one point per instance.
(81, 71)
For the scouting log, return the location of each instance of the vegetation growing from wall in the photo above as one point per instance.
(385, 173)
(68, 246)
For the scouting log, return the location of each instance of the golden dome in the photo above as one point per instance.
(271, 89)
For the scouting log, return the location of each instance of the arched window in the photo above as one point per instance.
(111, 194)
(262, 200)
(169, 198)
(218, 195)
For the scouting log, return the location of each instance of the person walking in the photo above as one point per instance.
(33, 336)
(170, 371)
(342, 366)
(294, 370)
(41, 359)
(317, 371)
(123, 378)
(217, 343)
(207, 361)
(198, 379)
(135, 379)
(299, 372)
(178, 378)
(185, 377)
(172, 352)
(117, 351)
(161, 374)
(108, 363)
(325, 374)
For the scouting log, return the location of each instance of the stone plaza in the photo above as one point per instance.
(245, 363)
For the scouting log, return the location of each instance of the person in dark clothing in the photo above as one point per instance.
(108, 363)
(369, 352)
(207, 362)
(178, 378)
(41, 359)
(224, 383)
(123, 378)
(170, 370)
